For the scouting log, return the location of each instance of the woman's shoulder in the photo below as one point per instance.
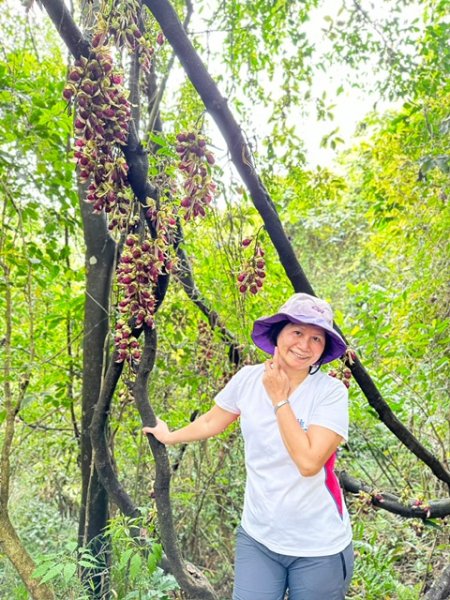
(250, 371)
(248, 374)
(325, 382)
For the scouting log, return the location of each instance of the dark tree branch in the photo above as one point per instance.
(217, 105)
(435, 509)
(100, 250)
(102, 456)
(198, 588)
(67, 28)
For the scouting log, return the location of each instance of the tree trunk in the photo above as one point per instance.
(11, 545)
(100, 252)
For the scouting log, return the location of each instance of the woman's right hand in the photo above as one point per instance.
(160, 431)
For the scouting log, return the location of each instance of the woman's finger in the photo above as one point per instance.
(275, 360)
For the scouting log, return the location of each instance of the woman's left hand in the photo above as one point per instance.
(275, 380)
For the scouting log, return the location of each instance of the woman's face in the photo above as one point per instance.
(300, 346)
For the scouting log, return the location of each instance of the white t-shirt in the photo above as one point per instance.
(288, 513)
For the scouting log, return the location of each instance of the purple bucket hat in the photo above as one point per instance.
(302, 308)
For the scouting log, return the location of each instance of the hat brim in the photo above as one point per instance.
(335, 346)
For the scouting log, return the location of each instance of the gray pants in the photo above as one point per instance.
(261, 574)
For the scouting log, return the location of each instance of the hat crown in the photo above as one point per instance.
(303, 305)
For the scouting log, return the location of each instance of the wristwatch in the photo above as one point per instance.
(279, 405)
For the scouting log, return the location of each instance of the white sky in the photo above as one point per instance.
(350, 107)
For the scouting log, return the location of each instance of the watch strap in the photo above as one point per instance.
(279, 405)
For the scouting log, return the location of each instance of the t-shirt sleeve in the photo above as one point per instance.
(331, 410)
(228, 397)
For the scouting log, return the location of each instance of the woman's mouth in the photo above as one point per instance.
(299, 356)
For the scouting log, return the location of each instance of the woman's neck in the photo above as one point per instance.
(296, 378)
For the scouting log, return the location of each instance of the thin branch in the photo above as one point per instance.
(185, 277)
(375, 27)
(415, 509)
(5, 464)
(156, 100)
(39, 427)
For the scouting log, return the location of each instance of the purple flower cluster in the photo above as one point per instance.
(251, 277)
(121, 24)
(101, 122)
(195, 164)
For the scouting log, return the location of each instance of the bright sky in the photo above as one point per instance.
(350, 107)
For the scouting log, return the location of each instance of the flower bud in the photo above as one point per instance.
(74, 75)
(68, 93)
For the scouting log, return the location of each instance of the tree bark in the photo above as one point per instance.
(94, 513)
(12, 546)
(440, 589)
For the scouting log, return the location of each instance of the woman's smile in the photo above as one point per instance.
(300, 345)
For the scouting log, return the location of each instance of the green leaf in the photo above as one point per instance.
(135, 566)
(125, 557)
(69, 571)
(154, 558)
(53, 572)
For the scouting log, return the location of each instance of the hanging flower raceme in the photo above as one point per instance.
(343, 372)
(119, 22)
(140, 265)
(250, 279)
(195, 164)
(102, 118)
(101, 123)
(126, 344)
(163, 219)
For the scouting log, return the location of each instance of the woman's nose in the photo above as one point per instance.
(303, 343)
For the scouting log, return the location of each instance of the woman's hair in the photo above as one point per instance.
(275, 331)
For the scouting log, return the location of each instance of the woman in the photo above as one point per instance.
(295, 531)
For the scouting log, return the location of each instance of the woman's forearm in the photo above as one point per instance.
(199, 429)
(308, 449)
(207, 425)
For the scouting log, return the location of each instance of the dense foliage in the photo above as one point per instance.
(370, 230)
